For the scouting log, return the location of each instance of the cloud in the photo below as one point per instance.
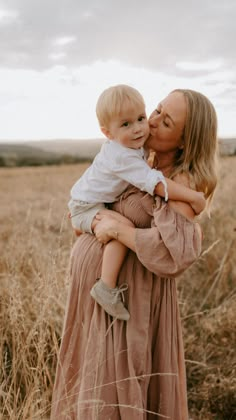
(154, 34)
(8, 16)
(63, 53)
(64, 40)
(60, 103)
(201, 66)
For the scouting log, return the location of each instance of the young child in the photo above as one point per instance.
(121, 161)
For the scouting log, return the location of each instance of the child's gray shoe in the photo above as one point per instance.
(111, 299)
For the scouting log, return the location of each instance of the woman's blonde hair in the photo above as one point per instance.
(199, 154)
(112, 101)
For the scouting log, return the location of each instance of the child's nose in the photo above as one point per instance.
(137, 127)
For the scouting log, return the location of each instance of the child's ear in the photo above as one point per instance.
(106, 132)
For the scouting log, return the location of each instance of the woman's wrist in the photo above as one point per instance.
(124, 234)
(115, 230)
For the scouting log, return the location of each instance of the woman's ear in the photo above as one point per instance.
(181, 143)
(106, 132)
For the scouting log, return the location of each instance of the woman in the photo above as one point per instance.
(135, 370)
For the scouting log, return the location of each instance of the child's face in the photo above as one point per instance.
(130, 128)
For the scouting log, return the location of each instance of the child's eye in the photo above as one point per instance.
(165, 124)
(125, 124)
(141, 118)
(158, 112)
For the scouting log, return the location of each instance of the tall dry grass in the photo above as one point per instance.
(35, 243)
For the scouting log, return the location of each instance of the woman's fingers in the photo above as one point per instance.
(102, 236)
(102, 229)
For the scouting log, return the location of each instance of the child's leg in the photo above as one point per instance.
(113, 257)
(114, 253)
(82, 214)
(105, 291)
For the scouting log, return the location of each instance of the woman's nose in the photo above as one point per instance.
(153, 121)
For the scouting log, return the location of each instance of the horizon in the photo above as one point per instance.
(94, 139)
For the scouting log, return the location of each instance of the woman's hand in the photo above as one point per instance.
(104, 228)
(199, 202)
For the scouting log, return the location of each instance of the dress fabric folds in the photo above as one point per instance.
(115, 370)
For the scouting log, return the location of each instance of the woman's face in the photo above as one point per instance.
(167, 124)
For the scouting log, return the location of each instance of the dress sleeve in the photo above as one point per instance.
(171, 245)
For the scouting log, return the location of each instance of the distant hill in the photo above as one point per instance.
(22, 155)
(87, 149)
(227, 146)
(84, 149)
(48, 152)
(54, 152)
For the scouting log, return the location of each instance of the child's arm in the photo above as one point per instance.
(179, 192)
(134, 170)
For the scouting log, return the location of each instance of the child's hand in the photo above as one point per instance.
(199, 203)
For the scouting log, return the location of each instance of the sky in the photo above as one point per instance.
(57, 56)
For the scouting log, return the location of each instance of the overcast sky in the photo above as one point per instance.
(56, 56)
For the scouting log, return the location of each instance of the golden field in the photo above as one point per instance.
(35, 244)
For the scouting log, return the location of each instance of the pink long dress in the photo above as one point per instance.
(114, 370)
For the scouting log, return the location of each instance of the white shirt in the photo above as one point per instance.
(113, 169)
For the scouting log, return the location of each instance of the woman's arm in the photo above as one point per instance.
(179, 191)
(171, 245)
(107, 228)
(192, 203)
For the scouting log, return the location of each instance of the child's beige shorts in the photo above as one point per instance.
(83, 213)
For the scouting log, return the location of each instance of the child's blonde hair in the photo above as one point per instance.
(199, 154)
(112, 100)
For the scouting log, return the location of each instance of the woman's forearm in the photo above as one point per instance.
(176, 191)
(123, 233)
(179, 192)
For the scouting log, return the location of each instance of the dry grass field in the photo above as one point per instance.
(35, 243)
